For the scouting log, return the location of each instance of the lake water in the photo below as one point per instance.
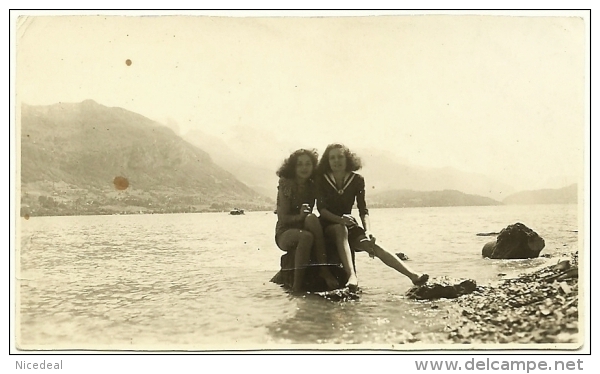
(201, 281)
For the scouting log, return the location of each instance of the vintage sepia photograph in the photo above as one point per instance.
(241, 181)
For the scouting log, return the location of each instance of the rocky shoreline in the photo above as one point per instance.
(541, 307)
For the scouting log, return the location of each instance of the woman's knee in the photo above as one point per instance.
(311, 219)
(305, 237)
(312, 222)
(338, 231)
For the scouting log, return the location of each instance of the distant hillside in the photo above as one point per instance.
(253, 156)
(410, 198)
(566, 195)
(72, 153)
(233, 159)
(384, 172)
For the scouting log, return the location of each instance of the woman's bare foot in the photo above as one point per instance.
(352, 283)
(420, 280)
(331, 281)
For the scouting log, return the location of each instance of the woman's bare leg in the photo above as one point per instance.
(340, 233)
(391, 260)
(312, 224)
(303, 240)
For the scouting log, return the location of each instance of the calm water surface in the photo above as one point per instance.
(198, 281)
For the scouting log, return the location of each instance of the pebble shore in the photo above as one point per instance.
(541, 307)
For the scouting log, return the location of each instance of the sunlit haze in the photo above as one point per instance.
(497, 95)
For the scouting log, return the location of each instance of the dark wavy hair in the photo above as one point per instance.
(288, 168)
(353, 162)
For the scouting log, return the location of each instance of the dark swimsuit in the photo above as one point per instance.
(341, 201)
(289, 189)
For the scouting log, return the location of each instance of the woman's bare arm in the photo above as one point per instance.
(283, 211)
(343, 220)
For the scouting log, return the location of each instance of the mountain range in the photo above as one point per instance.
(86, 158)
(410, 198)
(383, 172)
(565, 195)
(245, 156)
(257, 176)
(72, 154)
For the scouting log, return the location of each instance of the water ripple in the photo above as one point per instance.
(190, 280)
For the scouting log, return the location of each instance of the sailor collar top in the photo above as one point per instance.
(340, 201)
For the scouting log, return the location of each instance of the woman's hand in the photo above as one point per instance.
(304, 211)
(370, 236)
(372, 244)
(348, 220)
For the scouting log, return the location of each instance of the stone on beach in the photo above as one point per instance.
(515, 242)
(442, 288)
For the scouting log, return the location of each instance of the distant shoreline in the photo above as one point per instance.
(125, 213)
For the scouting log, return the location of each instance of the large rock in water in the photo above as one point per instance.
(312, 280)
(515, 242)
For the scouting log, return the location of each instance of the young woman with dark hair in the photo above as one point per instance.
(338, 188)
(297, 227)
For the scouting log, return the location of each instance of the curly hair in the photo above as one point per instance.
(353, 162)
(288, 168)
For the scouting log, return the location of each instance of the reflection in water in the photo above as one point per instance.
(317, 320)
(391, 320)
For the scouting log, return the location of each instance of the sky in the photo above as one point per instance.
(503, 96)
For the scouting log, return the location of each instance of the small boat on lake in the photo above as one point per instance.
(236, 212)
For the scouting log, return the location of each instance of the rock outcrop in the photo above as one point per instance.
(402, 256)
(313, 283)
(312, 280)
(515, 242)
(442, 288)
